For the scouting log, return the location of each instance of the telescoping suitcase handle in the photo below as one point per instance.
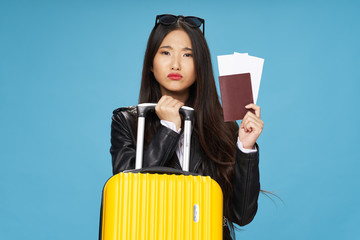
(142, 110)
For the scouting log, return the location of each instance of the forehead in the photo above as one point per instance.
(177, 38)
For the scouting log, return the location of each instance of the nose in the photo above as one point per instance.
(175, 64)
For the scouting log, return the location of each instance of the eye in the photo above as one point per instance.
(187, 55)
(165, 53)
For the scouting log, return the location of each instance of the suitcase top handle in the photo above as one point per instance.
(142, 110)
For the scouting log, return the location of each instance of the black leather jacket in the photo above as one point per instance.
(161, 152)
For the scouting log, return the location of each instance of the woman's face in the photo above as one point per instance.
(173, 65)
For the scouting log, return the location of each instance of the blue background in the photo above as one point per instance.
(65, 65)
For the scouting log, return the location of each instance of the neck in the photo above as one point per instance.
(180, 96)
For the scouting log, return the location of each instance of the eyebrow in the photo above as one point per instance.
(169, 47)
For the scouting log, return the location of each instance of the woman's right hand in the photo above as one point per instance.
(167, 109)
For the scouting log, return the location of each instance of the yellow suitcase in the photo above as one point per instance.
(161, 203)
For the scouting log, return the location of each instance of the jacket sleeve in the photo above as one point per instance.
(159, 151)
(246, 186)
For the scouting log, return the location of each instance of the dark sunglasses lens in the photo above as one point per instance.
(192, 21)
(167, 19)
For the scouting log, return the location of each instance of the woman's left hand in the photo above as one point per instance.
(250, 127)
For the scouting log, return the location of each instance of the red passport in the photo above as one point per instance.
(236, 93)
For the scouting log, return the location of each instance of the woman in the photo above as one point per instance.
(178, 71)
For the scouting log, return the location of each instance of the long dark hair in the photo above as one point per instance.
(217, 138)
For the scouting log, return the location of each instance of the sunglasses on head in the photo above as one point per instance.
(191, 21)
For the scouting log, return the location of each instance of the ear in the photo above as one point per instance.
(151, 69)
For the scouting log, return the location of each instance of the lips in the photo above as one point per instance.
(175, 76)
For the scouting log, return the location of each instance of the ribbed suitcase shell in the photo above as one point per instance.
(161, 206)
